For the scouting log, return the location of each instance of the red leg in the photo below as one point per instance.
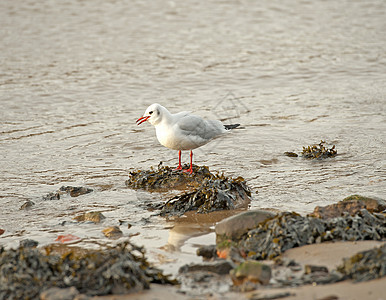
(179, 162)
(190, 170)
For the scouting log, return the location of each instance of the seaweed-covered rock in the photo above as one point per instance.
(165, 178)
(366, 265)
(350, 205)
(219, 193)
(235, 226)
(26, 272)
(26, 205)
(318, 151)
(73, 191)
(289, 230)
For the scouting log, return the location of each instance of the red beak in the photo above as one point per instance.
(142, 119)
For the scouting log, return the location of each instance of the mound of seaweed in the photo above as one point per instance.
(289, 230)
(206, 192)
(318, 151)
(365, 265)
(26, 272)
(167, 178)
(218, 193)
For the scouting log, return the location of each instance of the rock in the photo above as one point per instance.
(365, 265)
(112, 232)
(55, 293)
(371, 204)
(318, 151)
(251, 271)
(28, 204)
(1, 231)
(52, 196)
(271, 297)
(28, 243)
(289, 230)
(207, 252)
(92, 216)
(351, 205)
(75, 191)
(218, 267)
(234, 227)
(308, 269)
(123, 268)
(290, 154)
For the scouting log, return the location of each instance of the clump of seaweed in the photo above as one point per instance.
(166, 177)
(218, 193)
(366, 265)
(206, 191)
(25, 272)
(318, 151)
(289, 230)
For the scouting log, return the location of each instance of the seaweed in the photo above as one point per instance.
(25, 272)
(318, 151)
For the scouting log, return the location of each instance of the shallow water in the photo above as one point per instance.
(75, 75)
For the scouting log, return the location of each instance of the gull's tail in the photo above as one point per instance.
(232, 126)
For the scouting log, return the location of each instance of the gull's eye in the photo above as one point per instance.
(150, 112)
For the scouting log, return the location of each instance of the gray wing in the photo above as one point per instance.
(194, 126)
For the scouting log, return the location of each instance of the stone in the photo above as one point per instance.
(351, 205)
(251, 270)
(290, 154)
(26, 205)
(55, 293)
(234, 227)
(92, 216)
(28, 243)
(112, 232)
(207, 252)
(1, 231)
(219, 267)
(75, 191)
(308, 269)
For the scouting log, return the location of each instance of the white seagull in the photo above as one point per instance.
(182, 131)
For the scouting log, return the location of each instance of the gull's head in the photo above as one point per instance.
(153, 114)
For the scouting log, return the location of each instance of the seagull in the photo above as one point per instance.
(182, 131)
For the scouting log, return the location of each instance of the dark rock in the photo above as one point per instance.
(26, 205)
(207, 252)
(234, 227)
(289, 230)
(290, 154)
(318, 151)
(1, 231)
(218, 267)
(92, 216)
(55, 293)
(26, 272)
(350, 205)
(75, 191)
(251, 271)
(308, 269)
(28, 243)
(52, 196)
(365, 265)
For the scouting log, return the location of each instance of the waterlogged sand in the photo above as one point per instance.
(326, 254)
